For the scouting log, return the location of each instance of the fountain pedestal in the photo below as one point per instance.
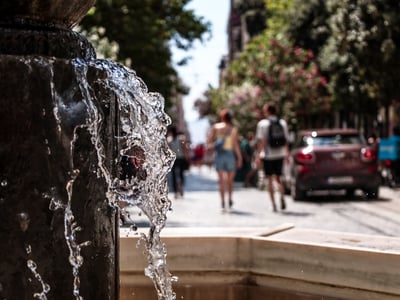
(52, 197)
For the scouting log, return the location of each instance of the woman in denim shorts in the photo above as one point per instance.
(223, 138)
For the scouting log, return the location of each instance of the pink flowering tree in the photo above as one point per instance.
(245, 101)
(274, 70)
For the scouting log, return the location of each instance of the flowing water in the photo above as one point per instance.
(142, 140)
(143, 159)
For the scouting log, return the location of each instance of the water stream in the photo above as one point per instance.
(143, 160)
(142, 140)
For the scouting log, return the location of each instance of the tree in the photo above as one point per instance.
(358, 46)
(308, 27)
(272, 70)
(277, 17)
(144, 32)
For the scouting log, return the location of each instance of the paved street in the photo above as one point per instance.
(200, 207)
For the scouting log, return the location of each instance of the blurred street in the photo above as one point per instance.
(200, 207)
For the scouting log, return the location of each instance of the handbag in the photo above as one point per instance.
(219, 144)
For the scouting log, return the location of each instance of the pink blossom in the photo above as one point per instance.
(297, 51)
(257, 91)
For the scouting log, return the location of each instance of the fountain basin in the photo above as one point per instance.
(261, 263)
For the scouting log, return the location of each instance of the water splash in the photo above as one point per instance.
(33, 268)
(45, 287)
(142, 144)
(70, 230)
(140, 132)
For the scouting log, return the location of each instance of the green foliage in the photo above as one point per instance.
(144, 31)
(357, 44)
(354, 71)
(271, 69)
(308, 27)
(363, 53)
(277, 17)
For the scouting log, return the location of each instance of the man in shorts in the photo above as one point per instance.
(272, 158)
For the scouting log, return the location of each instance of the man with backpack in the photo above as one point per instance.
(272, 150)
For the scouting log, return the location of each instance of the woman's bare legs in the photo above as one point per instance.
(226, 184)
(221, 187)
(230, 182)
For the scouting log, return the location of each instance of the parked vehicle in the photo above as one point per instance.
(332, 159)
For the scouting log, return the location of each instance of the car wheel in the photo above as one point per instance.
(296, 192)
(372, 193)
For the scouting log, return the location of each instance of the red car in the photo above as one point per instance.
(332, 159)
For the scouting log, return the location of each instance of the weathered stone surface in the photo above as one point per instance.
(56, 43)
(35, 167)
(41, 108)
(48, 13)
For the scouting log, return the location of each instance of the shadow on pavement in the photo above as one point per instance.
(296, 214)
(239, 213)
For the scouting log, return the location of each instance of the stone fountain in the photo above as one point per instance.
(36, 158)
(66, 118)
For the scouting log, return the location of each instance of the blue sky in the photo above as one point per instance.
(202, 69)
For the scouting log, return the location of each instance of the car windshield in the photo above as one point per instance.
(331, 140)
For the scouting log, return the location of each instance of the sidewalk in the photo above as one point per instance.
(201, 207)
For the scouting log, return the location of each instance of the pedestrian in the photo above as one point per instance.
(177, 143)
(198, 155)
(251, 175)
(272, 149)
(223, 138)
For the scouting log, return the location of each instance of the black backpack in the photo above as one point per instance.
(276, 134)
